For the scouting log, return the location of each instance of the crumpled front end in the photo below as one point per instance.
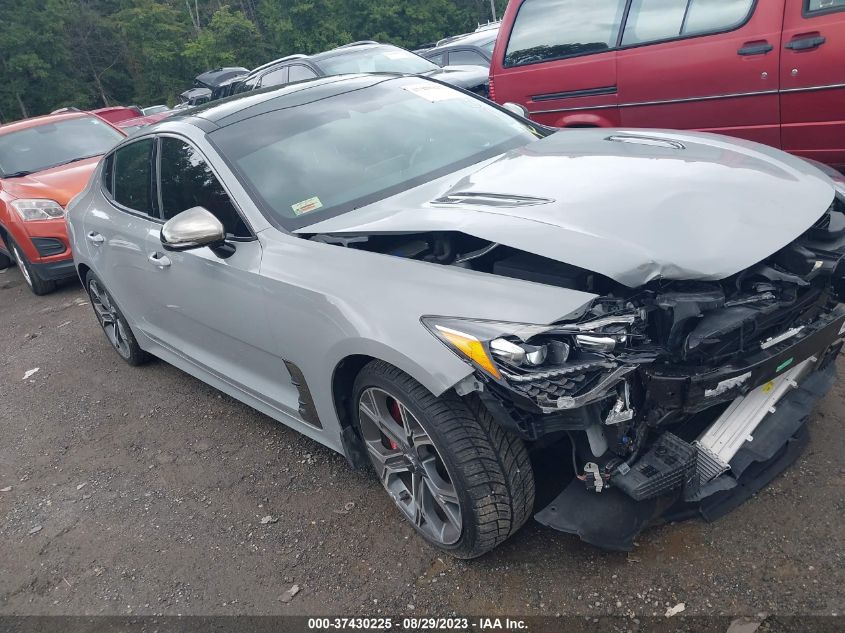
(680, 397)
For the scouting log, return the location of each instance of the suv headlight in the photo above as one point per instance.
(34, 210)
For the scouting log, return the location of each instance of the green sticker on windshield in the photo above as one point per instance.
(306, 206)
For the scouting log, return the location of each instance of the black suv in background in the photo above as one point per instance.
(471, 49)
(360, 57)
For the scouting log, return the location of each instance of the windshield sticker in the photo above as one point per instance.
(433, 92)
(306, 206)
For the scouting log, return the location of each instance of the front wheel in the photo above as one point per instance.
(38, 286)
(113, 322)
(457, 477)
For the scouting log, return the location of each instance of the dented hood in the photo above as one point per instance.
(634, 205)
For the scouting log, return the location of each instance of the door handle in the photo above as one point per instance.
(95, 238)
(157, 259)
(805, 42)
(755, 48)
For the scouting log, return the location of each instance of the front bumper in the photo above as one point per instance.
(612, 519)
(693, 481)
(55, 270)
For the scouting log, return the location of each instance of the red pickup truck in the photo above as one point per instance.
(771, 71)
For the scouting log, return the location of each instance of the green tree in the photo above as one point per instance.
(152, 37)
(230, 39)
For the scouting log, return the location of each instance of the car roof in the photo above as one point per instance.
(40, 120)
(268, 65)
(218, 75)
(348, 48)
(467, 39)
(245, 105)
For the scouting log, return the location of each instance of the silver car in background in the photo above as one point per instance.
(432, 285)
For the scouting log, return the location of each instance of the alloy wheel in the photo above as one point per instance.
(109, 318)
(21, 265)
(410, 466)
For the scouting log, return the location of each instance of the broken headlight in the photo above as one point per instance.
(520, 348)
(494, 345)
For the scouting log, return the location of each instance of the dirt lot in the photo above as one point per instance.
(149, 489)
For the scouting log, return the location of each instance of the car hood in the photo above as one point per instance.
(461, 76)
(633, 205)
(60, 183)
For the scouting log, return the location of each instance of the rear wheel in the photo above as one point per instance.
(114, 324)
(457, 477)
(38, 285)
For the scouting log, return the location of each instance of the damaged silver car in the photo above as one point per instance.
(436, 287)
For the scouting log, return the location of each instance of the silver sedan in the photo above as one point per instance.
(435, 287)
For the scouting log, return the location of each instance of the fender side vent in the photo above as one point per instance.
(307, 410)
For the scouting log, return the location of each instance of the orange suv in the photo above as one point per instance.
(44, 162)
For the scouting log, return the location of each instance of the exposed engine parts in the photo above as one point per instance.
(636, 362)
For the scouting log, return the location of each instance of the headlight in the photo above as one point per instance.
(492, 345)
(33, 210)
(520, 348)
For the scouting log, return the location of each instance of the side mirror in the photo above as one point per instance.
(516, 108)
(191, 229)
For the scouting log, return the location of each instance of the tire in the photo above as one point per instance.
(5, 261)
(114, 324)
(38, 285)
(462, 482)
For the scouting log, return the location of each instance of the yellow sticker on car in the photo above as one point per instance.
(769, 386)
(306, 206)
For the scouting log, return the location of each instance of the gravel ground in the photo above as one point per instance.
(142, 491)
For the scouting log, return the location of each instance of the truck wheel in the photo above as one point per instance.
(462, 482)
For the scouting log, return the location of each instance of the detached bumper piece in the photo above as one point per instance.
(754, 440)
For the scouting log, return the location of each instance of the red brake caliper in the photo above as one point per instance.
(396, 414)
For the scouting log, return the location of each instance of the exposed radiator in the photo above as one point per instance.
(735, 426)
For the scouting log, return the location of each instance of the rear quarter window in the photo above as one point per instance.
(546, 30)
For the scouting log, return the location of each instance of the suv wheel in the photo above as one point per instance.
(113, 322)
(36, 284)
(457, 477)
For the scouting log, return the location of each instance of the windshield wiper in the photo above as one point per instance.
(72, 160)
(18, 174)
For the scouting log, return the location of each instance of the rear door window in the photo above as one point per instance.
(706, 16)
(545, 30)
(186, 181)
(657, 20)
(437, 59)
(131, 166)
(466, 57)
(652, 20)
(300, 73)
(277, 77)
(819, 6)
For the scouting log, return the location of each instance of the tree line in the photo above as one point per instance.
(94, 53)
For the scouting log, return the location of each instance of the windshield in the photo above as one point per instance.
(376, 59)
(308, 163)
(50, 144)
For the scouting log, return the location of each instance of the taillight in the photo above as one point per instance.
(491, 92)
